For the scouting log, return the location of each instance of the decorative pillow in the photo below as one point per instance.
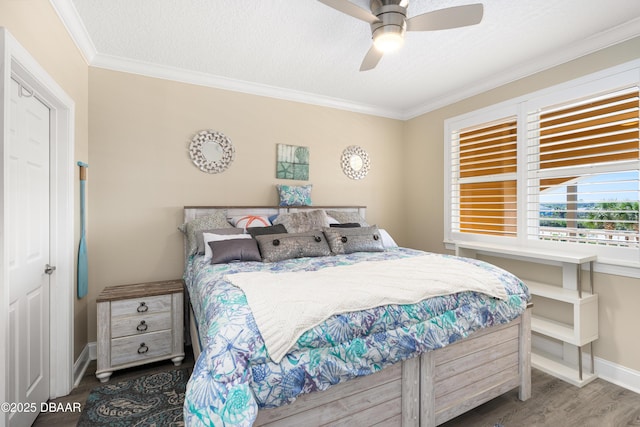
(345, 225)
(343, 216)
(349, 240)
(294, 195)
(272, 229)
(278, 247)
(210, 237)
(234, 250)
(387, 240)
(332, 220)
(298, 222)
(200, 238)
(250, 221)
(191, 229)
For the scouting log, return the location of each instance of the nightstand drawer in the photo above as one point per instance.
(137, 348)
(141, 306)
(138, 325)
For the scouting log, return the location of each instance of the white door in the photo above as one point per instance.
(28, 237)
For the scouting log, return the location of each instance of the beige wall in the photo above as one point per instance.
(141, 174)
(38, 29)
(424, 183)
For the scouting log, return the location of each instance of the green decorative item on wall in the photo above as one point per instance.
(292, 162)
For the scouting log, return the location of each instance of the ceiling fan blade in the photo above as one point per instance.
(443, 19)
(345, 6)
(371, 59)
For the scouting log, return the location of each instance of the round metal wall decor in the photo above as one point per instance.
(211, 152)
(355, 162)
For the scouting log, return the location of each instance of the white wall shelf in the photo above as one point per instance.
(584, 304)
(560, 369)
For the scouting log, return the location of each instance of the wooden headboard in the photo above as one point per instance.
(193, 212)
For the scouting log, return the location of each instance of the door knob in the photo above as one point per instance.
(49, 269)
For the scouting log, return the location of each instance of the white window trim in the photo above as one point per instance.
(611, 78)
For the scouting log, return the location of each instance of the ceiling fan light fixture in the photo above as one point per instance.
(388, 20)
(388, 41)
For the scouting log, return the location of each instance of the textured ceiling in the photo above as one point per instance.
(304, 50)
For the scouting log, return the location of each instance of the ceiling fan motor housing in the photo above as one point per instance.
(392, 16)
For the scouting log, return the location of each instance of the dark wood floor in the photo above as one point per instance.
(554, 403)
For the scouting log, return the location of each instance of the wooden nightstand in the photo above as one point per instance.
(139, 324)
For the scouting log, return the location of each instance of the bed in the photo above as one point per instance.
(405, 364)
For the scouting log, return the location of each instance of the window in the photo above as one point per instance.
(583, 164)
(559, 167)
(485, 176)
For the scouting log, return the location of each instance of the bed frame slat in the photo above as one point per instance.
(308, 402)
(477, 373)
(372, 416)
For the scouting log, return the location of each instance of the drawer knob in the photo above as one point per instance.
(142, 326)
(142, 307)
(143, 348)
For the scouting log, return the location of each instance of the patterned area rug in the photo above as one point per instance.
(149, 400)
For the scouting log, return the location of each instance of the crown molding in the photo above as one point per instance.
(203, 79)
(584, 47)
(71, 19)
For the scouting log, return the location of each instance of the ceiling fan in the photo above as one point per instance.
(388, 20)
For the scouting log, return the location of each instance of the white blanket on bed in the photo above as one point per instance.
(285, 305)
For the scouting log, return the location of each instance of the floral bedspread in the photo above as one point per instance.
(234, 375)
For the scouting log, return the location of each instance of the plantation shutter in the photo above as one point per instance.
(484, 166)
(583, 160)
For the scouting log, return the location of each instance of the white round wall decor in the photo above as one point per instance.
(211, 152)
(355, 162)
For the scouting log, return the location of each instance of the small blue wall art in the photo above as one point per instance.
(292, 162)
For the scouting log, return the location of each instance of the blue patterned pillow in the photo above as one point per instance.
(294, 195)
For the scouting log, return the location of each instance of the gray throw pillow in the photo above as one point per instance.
(349, 240)
(272, 229)
(344, 216)
(298, 222)
(223, 231)
(278, 247)
(191, 229)
(234, 250)
(345, 225)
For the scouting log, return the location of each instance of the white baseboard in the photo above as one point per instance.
(618, 375)
(93, 350)
(611, 372)
(81, 364)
